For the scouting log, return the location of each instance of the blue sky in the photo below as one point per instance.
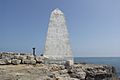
(94, 25)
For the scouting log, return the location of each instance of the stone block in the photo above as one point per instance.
(26, 61)
(40, 59)
(15, 61)
(30, 57)
(69, 63)
(2, 62)
(8, 61)
(5, 61)
(16, 56)
(33, 62)
(22, 57)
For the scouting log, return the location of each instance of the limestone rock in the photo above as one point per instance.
(92, 72)
(5, 61)
(26, 61)
(33, 62)
(30, 57)
(15, 61)
(22, 57)
(57, 46)
(16, 56)
(39, 59)
(6, 55)
(2, 62)
(69, 63)
(77, 73)
(44, 72)
(8, 61)
(55, 67)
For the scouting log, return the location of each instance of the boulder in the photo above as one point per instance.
(16, 56)
(15, 61)
(6, 56)
(69, 63)
(22, 57)
(33, 62)
(5, 61)
(92, 72)
(8, 61)
(39, 59)
(30, 57)
(2, 62)
(59, 78)
(77, 72)
(81, 75)
(55, 67)
(26, 61)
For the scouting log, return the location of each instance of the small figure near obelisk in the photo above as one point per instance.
(57, 46)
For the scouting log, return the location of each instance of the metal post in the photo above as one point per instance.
(34, 51)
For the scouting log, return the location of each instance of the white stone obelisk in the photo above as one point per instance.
(57, 46)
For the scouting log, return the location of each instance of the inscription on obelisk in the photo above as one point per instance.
(57, 44)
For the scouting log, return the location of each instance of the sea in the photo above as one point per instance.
(114, 61)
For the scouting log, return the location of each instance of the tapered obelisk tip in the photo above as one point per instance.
(57, 11)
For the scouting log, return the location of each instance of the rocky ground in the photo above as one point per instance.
(57, 72)
(19, 66)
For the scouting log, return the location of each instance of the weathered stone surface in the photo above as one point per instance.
(2, 62)
(8, 61)
(92, 72)
(57, 46)
(30, 57)
(15, 61)
(55, 67)
(39, 59)
(22, 57)
(33, 62)
(26, 61)
(6, 55)
(77, 72)
(5, 61)
(16, 56)
(46, 72)
(69, 63)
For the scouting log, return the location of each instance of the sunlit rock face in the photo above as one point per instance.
(57, 46)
